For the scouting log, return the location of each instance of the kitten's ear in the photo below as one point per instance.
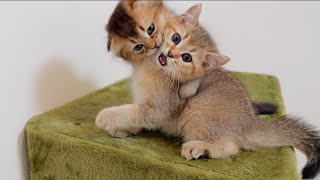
(134, 4)
(214, 60)
(129, 3)
(191, 16)
(109, 42)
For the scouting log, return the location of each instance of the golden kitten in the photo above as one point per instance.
(220, 119)
(134, 34)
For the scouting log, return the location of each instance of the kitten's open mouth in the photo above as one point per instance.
(162, 59)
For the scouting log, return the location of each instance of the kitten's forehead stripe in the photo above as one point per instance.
(121, 23)
(142, 28)
(174, 30)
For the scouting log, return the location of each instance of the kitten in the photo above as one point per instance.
(133, 31)
(220, 119)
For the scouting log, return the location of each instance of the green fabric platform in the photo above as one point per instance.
(65, 144)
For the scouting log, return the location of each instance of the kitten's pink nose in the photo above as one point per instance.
(170, 54)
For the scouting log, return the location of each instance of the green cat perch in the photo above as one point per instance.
(65, 144)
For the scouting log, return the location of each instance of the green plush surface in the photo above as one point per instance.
(65, 144)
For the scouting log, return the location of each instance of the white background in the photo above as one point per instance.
(54, 52)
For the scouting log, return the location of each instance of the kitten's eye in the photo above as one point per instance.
(176, 38)
(186, 57)
(138, 47)
(151, 29)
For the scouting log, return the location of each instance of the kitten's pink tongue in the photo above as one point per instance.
(162, 59)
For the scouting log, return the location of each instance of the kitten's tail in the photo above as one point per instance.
(290, 131)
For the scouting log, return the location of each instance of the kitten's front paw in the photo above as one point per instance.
(193, 150)
(114, 120)
(119, 133)
(107, 118)
(124, 133)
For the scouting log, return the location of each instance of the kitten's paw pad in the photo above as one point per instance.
(193, 150)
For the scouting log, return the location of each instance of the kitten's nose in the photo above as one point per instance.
(170, 54)
(156, 46)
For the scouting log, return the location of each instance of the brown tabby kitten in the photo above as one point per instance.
(220, 119)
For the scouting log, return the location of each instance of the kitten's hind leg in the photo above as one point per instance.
(218, 149)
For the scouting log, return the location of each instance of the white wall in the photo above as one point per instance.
(53, 52)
